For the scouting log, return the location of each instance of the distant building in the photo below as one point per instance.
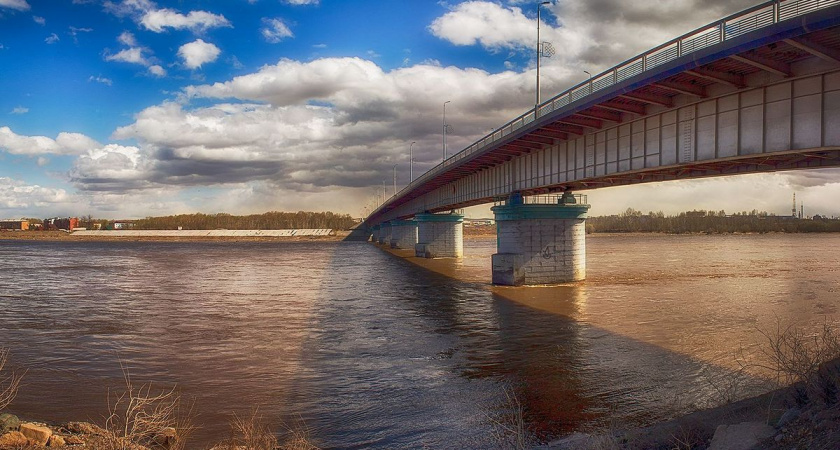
(479, 222)
(17, 225)
(59, 223)
(122, 224)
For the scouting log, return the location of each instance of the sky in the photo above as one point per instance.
(135, 108)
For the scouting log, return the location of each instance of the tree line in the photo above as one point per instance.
(632, 221)
(273, 220)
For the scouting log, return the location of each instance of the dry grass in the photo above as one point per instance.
(10, 383)
(253, 433)
(510, 428)
(143, 416)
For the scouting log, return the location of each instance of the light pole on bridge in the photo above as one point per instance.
(395, 180)
(410, 163)
(444, 128)
(539, 55)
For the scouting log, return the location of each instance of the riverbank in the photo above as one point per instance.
(169, 236)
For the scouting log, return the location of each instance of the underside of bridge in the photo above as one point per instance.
(758, 91)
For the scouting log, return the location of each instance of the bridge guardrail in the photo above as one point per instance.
(748, 20)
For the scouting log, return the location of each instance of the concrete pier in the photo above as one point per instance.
(403, 233)
(540, 243)
(384, 233)
(439, 235)
(374, 231)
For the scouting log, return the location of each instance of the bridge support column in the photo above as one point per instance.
(540, 243)
(403, 233)
(384, 233)
(439, 235)
(374, 230)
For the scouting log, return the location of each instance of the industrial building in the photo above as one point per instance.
(16, 225)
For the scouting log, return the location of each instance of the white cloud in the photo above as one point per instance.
(132, 55)
(197, 53)
(64, 144)
(20, 5)
(42, 161)
(19, 110)
(52, 39)
(275, 30)
(302, 2)
(127, 39)
(39, 20)
(196, 21)
(18, 196)
(157, 71)
(100, 79)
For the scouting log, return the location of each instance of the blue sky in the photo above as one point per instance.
(129, 108)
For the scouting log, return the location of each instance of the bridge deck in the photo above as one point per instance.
(651, 118)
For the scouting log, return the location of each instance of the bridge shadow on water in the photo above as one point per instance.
(409, 357)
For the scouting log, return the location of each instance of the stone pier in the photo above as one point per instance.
(384, 233)
(403, 233)
(540, 243)
(439, 235)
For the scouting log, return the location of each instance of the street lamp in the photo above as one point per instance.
(395, 180)
(444, 128)
(410, 164)
(590, 80)
(539, 55)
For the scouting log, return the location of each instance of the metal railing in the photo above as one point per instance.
(748, 20)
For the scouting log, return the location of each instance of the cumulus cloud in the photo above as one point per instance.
(20, 5)
(39, 20)
(134, 54)
(52, 39)
(275, 30)
(64, 144)
(19, 110)
(197, 21)
(197, 53)
(157, 71)
(593, 34)
(17, 195)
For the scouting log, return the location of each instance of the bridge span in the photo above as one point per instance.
(758, 91)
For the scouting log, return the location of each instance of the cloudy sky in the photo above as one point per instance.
(131, 108)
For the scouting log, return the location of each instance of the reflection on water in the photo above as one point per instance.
(368, 350)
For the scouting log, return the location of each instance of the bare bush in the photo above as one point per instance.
(249, 432)
(10, 383)
(794, 355)
(146, 417)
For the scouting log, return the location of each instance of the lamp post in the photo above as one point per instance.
(395, 180)
(410, 164)
(539, 55)
(444, 128)
(590, 80)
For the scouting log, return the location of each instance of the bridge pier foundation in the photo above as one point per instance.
(403, 233)
(384, 233)
(439, 235)
(540, 243)
(374, 232)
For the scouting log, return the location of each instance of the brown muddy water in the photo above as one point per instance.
(368, 350)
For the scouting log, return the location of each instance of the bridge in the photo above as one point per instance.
(758, 91)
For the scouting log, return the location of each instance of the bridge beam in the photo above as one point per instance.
(439, 235)
(403, 233)
(540, 243)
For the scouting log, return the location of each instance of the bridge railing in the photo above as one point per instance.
(751, 19)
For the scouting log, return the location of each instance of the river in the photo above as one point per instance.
(365, 349)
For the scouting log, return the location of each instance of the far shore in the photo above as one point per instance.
(64, 236)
